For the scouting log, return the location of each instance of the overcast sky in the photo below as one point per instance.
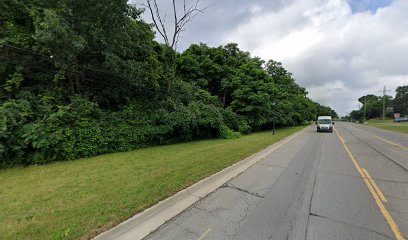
(338, 49)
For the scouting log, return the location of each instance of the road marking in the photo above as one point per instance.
(377, 199)
(206, 232)
(391, 142)
(383, 139)
(375, 186)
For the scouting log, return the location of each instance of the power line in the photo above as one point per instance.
(135, 88)
(50, 57)
(25, 50)
(80, 66)
(384, 91)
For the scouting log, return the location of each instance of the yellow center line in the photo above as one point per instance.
(391, 142)
(384, 211)
(205, 234)
(375, 186)
(383, 139)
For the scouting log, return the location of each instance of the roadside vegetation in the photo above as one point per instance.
(84, 78)
(401, 127)
(372, 106)
(78, 199)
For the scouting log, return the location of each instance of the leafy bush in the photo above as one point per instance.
(235, 122)
(227, 133)
(88, 79)
(14, 114)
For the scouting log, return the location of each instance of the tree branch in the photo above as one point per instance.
(154, 19)
(189, 13)
(160, 20)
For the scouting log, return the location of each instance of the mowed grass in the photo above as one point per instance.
(79, 199)
(401, 127)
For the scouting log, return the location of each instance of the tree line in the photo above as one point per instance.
(372, 105)
(82, 78)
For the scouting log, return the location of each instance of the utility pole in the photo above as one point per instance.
(365, 107)
(274, 110)
(383, 116)
(274, 116)
(384, 92)
(404, 110)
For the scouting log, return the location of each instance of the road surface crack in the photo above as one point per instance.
(376, 149)
(212, 213)
(243, 216)
(188, 230)
(359, 177)
(350, 224)
(271, 165)
(389, 180)
(314, 185)
(243, 190)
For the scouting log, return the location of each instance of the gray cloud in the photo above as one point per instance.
(334, 51)
(219, 18)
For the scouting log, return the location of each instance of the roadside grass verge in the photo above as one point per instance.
(389, 125)
(79, 199)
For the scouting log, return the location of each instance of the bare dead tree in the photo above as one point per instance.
(180, 21)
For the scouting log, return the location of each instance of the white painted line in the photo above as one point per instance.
(206, 232)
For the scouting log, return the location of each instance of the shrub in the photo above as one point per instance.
(235, 122)
(227, 133)
(14, 114)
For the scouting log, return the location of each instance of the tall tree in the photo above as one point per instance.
(180, 20)
(326, 111)
(252, 97)
(172, 37)
(372, 105)
(400, 102)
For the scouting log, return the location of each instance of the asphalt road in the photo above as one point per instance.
(349, 184)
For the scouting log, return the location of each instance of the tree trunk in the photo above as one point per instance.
(77, 83)
(223, 98)
(68, 76)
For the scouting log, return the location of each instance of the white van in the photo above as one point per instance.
(324, 124)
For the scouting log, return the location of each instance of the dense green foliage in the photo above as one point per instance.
(81, 78)
(372, 105)
(400, 102)
(326, 111)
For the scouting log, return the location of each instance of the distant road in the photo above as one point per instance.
(349, 184)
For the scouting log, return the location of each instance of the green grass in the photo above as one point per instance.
(389, 125)
(79, 199)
